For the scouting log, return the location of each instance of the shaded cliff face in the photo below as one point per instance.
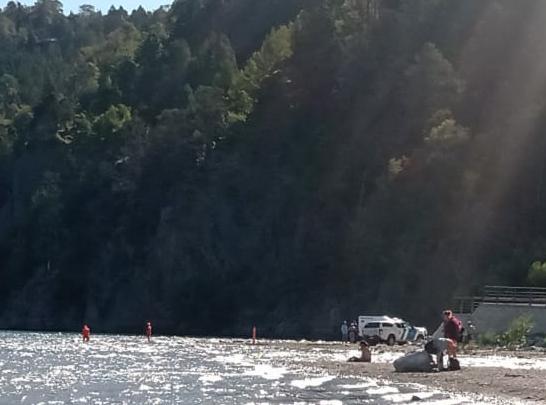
(287, 164)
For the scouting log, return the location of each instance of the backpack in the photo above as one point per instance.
(454, 364)
(460, 329)
(429, 347)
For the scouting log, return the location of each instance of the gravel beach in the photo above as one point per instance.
(521, 378)
(524, 385)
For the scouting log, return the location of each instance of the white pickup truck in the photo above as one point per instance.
(387, 329)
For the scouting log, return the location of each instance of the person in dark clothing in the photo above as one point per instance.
(441, 346)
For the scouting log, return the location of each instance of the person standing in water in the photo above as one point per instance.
(148, 330)
(86, 332)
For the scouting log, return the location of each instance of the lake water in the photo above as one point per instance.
(57, 368)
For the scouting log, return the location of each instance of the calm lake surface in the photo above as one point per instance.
(57, 368)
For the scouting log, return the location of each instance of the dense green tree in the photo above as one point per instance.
(288, 162)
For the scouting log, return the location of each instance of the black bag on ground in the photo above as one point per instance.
(414, 362)
(453, 364)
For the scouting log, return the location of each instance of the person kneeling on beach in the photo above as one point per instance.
(365, 354)
(441, 346)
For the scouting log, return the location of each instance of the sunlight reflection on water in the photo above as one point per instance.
(57, 368)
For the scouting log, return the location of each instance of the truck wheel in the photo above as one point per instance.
(419, 338)
(391, 340)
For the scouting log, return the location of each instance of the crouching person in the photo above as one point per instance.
(440, 347)
(365, 354)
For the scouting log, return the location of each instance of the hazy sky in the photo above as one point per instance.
(103, 5)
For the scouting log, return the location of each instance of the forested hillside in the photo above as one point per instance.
(288, 163)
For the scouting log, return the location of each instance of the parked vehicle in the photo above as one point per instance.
(384, 329)
(416, 333)
(389, 330)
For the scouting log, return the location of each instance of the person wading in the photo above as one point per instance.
(148, 331)
(86, 332)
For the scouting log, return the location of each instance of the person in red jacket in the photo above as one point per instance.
(452, 331)
(148, 330)
(452, 326)
(86, 332)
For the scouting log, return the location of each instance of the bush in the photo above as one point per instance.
(518, 332)
(487, 339)
(537, 274)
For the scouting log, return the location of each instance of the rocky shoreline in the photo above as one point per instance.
(504, 384)
(495, 376)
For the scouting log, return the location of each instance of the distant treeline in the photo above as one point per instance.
(285, 163)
